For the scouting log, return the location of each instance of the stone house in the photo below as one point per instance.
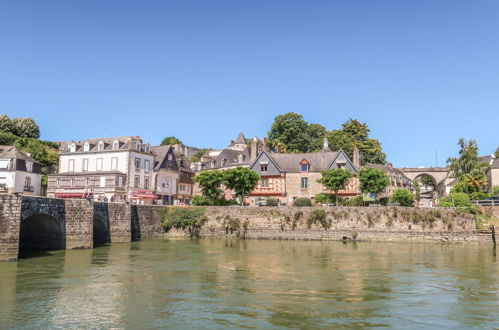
(165, 175)
(493, 174)
(185, 185)
(115, 169)
(19, 173)
(290, 176)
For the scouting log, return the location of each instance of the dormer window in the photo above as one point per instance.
(29, 166)
(116, 145)
(304, 166)
(241, 158)
(86, 146)
(72, 147)
(100, 146)
(341, 166)
(223, 162)
(213, 162)
(264, 167)
(137, 146)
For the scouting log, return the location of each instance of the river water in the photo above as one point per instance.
(253, 283)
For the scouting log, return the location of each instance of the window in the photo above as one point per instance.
(84, 166)
(182, 187)
(72, 147)
(58, 183)
(27, 183)
(87, 182)
(137, 146)
(223, 161)
(147, 165)
(304, 167)
(136, 182)
(71, 165)
(120, 181)
(304, 183)
(100, 146)
(114, 163)
(137, 163)
(116, 145)
(72, 182)
(4, 163)
(29, 166)
(102, 181)
(146, 148)
(265, 183)
(241, 158)
(263, 167)
(146, 182)
(213, 162)
(86, 146)
(99, 164)
(341, 166)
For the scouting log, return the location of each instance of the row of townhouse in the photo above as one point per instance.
(287, 177)
(121, 169)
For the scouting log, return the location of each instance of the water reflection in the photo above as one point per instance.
(214, 283)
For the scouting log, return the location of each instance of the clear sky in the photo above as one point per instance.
(421, 73)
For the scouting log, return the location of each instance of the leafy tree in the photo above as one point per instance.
(373, 180)
(316, 132)
(241, 180)
(335, 180)
(170, 140)
(26, 127)
(467, 161)
(290, 131)
(323, 198)
(495, 191)
(355, 134)
(197, 155)
(476, 181)
(8, 139)
(496, 154)
(200, 200)
(455, 199)
(427, 181)
(210, 183)
(271, 202)
(402, 196)
(417, 196)
(302, 201)
(42, 151)
(6, 125)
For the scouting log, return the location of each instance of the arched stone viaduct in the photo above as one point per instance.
(50, 223)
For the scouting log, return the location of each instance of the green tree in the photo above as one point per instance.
(373, 180)
(496, 154)
(316, 132)
(476, 181)
(427, 181)
(6, 125)
(335, 180)
(42, 151)
(402, 196)
(355, 134)
(467, 161)
(417, 196)
(241, 180)
(197, 155)
(26, 127)
(455, 199)
(170, 140)
(210, 183)
(291, 132)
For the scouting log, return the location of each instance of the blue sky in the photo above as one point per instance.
(422, 74)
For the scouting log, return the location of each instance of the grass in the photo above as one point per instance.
(484, 221)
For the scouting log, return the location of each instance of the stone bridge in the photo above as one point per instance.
(439, 175)
(49, 223)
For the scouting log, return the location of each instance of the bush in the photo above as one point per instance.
(271, 201)
(303, 201)
(199, 200)
(384, 200)
(495, 191)
(325, 198)
(224, 202)
(319, 216)
(190, 218)
(456, 199)
(403, 197)
(479, 195)
(356, 201)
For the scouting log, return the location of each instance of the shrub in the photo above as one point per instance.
(384, 200)
(190, 218)
(402, 196)
(356, 201)
(319, 216)
(325, 198)
(199, 200)
(456, 199)
(303, 201)
(271, 201)
(495, 190)
(479, 195)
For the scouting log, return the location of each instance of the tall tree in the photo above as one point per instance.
(355, 134)
(210, 183)
(316, 132)
(373, 180)
(26, 127)
(291, 131)
(170, 140)
(6, 125)
(467, 161)
(496, 154)
(242, 180)
(335, 180)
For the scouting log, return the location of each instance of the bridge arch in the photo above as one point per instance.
(101, 234)
(41, 232)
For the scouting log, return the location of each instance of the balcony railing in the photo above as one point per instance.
(29, 189)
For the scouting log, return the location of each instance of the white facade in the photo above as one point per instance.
(19, 175)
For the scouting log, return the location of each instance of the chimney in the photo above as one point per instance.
(253, 149)
(265, 147)
(356, 157)
(389, 164)
(325, 145)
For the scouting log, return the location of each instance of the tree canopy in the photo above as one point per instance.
(197, 155)
(335, 180)
(355, 134)
(210, 183)
(467, 161)
(496, 154)
(373, 180)
(22, 127)
(292, 134)
(402, 196)
(241, 180)
(170, 140)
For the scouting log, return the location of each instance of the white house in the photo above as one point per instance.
(19, 173)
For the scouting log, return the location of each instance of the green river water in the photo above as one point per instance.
(222, 283)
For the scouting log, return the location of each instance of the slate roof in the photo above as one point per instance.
(11, 152)
(160, 153)
(125, 143)
(495, 163)
(318, 161)
(487, 159)
(231, 159)
(241, 139)
(183, 163)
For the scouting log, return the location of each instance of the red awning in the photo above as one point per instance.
(73, 194)
(144, 196)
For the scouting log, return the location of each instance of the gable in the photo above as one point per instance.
(342, 158)
(265, 159)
